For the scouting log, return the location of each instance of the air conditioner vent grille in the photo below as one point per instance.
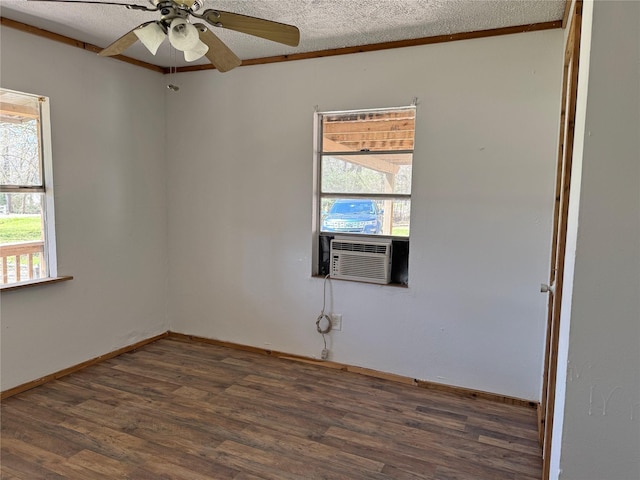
(360, 247)
(368, 261)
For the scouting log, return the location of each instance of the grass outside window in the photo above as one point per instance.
(20, 228)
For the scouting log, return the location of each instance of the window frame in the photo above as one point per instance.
(46, 189)
(319, 195)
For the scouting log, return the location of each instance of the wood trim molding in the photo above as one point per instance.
(373, 47)
(62, 373)
(460, 391)
(5, 22)
(567, 10)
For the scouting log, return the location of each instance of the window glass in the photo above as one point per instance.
(381, 130)
(20, 140)
(375, 173)
(349, 215)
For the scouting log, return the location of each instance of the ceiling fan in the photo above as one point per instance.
(194, 39)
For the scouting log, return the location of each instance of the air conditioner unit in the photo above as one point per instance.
(362, 260)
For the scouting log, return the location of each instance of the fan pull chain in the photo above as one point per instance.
(172, 70)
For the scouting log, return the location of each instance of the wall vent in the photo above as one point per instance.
(361, 260)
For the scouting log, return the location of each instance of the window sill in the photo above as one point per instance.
(34, 283)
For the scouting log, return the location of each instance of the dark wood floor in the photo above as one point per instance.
(178, 410)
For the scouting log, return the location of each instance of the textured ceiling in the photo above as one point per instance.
(323, 24)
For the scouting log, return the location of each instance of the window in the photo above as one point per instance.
(27, 243)
(364, 164)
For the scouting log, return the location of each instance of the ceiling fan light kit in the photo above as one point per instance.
(195, 40)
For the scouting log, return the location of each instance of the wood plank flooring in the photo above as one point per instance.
(180, 410)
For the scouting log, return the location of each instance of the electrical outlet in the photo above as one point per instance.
(336, 321)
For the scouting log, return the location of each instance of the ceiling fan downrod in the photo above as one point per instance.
(170, 9)
(193, 5)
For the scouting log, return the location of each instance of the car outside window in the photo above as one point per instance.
(353, 216)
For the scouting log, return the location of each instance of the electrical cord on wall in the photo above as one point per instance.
(324, 318)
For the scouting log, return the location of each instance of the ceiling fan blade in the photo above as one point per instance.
(258, 27)
(128, 5)
(219, 54)
(124, 42)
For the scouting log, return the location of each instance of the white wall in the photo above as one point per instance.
(240, 209)
(110, 198)
(598, 436)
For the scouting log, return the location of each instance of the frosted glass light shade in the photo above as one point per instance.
(151, 36)
(182, 35)
(197, 52)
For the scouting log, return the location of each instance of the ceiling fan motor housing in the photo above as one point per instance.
(170, 9)
(192, 5)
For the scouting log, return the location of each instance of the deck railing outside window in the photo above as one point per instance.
(22, 261)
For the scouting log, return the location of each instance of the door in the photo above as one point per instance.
(561, 210)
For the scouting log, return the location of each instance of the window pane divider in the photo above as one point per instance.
(407, 108)
(21, 188)
(366, 152)
(375, 196)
